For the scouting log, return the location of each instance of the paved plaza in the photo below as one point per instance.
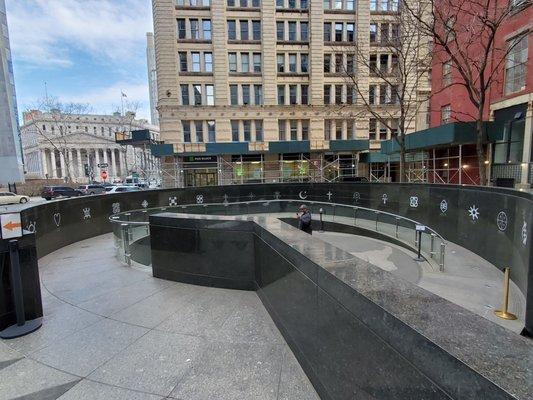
(114, 332)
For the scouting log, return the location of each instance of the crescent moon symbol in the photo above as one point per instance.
(302, 196)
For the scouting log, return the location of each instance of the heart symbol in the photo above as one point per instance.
(57, 219)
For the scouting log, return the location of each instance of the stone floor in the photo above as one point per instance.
(113, 332)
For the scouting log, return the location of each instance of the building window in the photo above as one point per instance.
(382, 94)
(186, 126)
(446, 114)
(305, 129)
(350, 32)
(206, 27)
(384, 33)
(338, 94)
(244, 29)
(304, 94)
(327, 94)
(199, 127)
(382, 132)
(327, 32)
(281, 130)
(197, 95)
(234, 95)
(294, 129)
(185, 95)
(350, 134)
(183, 61)
(232, 58)
(232, 30)
(258, 95)
(327, 129)
(280, 30)
(246, 95)
(182, 30)
(339, 63)
(350, 94)
(516, 65)
(292, 31)
(293, 97)
(338, 129)
(257, 62)
(372, 126)
(281, 95)
(208, 62)
(256, 26)
(292, 63)
(327, 63)
(247, 130)
(304, 31)
(350, 63)
(258, 130)
(195, 31)
(211, 131)
(235, 131)
(304, 63)
(338, 31)
(245, 62)
(196, 66)
(281, 62)
(210, 95)
(446, 73)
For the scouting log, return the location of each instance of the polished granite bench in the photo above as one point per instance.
(358, 331)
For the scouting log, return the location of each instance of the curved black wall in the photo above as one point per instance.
(60, 223)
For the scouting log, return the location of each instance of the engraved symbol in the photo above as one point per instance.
(32, 227)
(303, 194)
(199, 199)
(86, 213)
(173, 201)
(115, 208)
(501, 221)
(413, 201)
(443, 206)
(251, 196)
(357, 197)
(277, 195)
(524, 233)
(329, 194)
(385, 198)
(144, 204)
(473, 212)
(225, 202)
(57, 219)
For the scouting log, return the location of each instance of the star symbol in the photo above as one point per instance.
(473, 212)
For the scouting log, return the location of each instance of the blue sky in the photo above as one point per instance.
(87, 51)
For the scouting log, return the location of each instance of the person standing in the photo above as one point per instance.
(305, 219)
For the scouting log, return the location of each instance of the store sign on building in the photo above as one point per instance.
(201, 159)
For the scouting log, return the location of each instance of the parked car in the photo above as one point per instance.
(121, 189)
(12, 198)
(91, 189)
(52, 192)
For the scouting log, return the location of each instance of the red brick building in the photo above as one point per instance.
(510, 106)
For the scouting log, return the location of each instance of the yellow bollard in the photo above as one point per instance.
(504, 313)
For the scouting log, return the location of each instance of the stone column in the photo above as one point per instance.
(122, 164)
(44, 163)
(62, 164)
(80, 164)
(53, 159)
(106, 161)
(97, 157)
(113, 163)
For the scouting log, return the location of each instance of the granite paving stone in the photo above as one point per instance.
(88, 390)
(294, 383)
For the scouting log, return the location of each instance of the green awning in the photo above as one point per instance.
(452, 134)
(348, 145)
(377, 157)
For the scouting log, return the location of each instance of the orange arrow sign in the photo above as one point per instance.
(12, 225)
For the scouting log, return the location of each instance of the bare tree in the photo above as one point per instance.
(464, 33)
(61, 116)
(400, 71)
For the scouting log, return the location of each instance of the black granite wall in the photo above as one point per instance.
(60, 223)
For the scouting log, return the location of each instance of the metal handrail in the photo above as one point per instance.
(116, 217)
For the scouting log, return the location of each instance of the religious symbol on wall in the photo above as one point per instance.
(329, 194)
(524, 233)
(413, 201)
(303, 194)
(385, 198)
(173, 201)
(87, 213)
(443, 206)
(115, 208)
(277, 195)
(473, 212)
(199, 199)
(144, 204)
(501, 221)
(57, 219)
(251, 196)
(31, 227)
(357, 197)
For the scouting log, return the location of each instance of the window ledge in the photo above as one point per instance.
(236, 8)
(293, 10)
(245, 73)
(234, 41)
(330, 11)
(192, 73)
(293, 42)
(194, 41)
(343, 43)
(288, 74)
(185, 7)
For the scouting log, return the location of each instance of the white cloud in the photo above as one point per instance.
(46, 32)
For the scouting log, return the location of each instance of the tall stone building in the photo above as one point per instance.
(152, 77)
(256, 90)
(11, 161)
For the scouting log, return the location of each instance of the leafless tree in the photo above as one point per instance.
(61, 115)
(397, 61)
(465, 37)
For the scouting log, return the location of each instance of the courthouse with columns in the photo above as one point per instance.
(71, 147)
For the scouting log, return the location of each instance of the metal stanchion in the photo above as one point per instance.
(432, 248)
(355, 216)
(377, 219)
(126, 243)
(442, 251)
(22, 327)
(504, 313)
(321, 211)
(397, 225)
(419, 253)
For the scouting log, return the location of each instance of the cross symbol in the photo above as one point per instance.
(251, 196)
(329, 194)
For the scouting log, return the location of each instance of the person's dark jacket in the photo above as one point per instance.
(305, 222)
